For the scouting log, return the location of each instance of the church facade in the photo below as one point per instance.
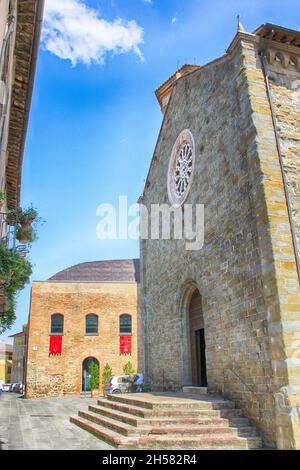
(227, 316)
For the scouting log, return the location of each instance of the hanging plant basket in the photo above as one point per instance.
(25, 235)
(27, 217)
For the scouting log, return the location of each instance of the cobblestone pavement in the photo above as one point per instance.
(44, 424)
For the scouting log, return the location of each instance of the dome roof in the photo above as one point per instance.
(101, 271)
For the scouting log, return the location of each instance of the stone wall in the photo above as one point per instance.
(242, 267)
(285, 88)
(62, 374)
(19, 349)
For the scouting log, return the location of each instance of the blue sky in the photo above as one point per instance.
(95, 119)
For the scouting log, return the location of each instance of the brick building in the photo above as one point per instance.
(86, 312)
(227, 315)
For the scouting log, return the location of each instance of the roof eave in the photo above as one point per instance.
(19, 129)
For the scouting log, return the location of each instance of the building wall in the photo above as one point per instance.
(277, 254)
(2, 362)
(285, 90)
(8, 72)
(8, 364)
(18, 358)
(5, 362)
(59, 375)
(240, 272)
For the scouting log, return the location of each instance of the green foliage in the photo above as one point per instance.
(106, 374)
(128, 369)
(7, 313)
(2, 197)
(94, 374)
(26, 234)
(15, 272)
(29, 215)
(22, 217)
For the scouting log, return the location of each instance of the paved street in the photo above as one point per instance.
(44, 424)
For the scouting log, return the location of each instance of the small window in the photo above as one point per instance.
(57, 324)
(125, 324)
(91, 324)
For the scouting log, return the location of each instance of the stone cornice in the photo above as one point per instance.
(286, 53)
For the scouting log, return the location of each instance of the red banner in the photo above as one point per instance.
(55, 345)
(125, 344)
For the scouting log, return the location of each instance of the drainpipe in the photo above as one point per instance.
(277, 138)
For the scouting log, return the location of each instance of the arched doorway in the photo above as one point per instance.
(86, 376)
(197, 341)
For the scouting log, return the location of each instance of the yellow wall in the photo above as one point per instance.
(4, 374)
(2, 370)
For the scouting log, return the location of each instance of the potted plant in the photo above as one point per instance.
(27, 217)
(26, 235)
(128, 369)
(106, 374)
(94, 379)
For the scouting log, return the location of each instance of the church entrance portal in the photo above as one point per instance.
(197, 341)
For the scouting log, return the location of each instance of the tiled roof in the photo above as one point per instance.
(101, 271)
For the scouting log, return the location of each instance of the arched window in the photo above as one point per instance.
(57, 324)
(125, 324)
(91, 324)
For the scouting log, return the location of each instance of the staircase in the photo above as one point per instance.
(169, 421)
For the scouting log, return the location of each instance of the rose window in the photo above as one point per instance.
(181, 168)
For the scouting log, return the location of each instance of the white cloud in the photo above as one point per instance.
(173, 20)
(74, 31)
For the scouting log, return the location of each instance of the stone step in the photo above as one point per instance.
(166, 442)
(168, 421)
(214, 420)
(187, 404)
(129, 430)
(113, 424)
(247, 431)
(118, 415)
(199, 443)
(111, 437)
(195, 390)
(177, 412)
(133, 410)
